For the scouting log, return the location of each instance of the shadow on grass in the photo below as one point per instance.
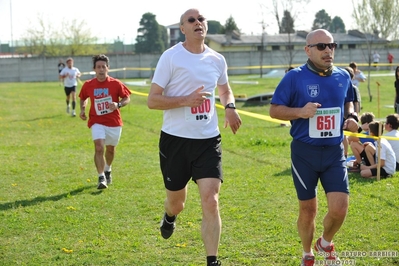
(285, 172)
(355, 177)
(259, 160)
(40, 199)
(98, 192)
(387, 202)
(37, 118)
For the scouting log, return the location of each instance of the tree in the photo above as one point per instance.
(34, 39)
(375, 18)
(291, 10)
(165, 36)
(372, 16)
(149, 35)
(230, 26)
(214, 27)
(294, 7)
(77, 37)
(287, 23)
(322, 20)
(74, 38)
(337, 25)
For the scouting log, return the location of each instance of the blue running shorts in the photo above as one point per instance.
(310, 163)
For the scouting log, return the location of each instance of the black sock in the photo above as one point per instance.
(170, 219)
(73, 105)
(210, 259)
(67, 103)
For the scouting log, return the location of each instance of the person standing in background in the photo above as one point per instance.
(70, 75)
(396, 85)
(376, 59)
(60, 67)
(356, 106)
(390, 58)
(358, 75)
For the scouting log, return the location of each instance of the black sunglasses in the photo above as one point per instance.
(321, 46)
(192, 20)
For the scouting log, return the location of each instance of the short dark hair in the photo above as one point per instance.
(350, 71)
(353, 65)
(100, 57)
(367, 117)
(289, 68)
(374, 128)
(393, 120)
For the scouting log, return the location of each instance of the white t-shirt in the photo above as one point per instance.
(179, 73)
(394, 143)
(359, 76)
(376, 57)
(388, 155)
(71, 79)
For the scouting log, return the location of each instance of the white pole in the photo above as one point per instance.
(12, 41)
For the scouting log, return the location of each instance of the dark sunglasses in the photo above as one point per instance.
(321, 46)
(192, 20)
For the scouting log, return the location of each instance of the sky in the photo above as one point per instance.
(110, 20)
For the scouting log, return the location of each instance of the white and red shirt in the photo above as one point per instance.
(101, 95)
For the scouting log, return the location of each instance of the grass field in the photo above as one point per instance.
(52, 214)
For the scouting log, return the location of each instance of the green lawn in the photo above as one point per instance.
(52, 214)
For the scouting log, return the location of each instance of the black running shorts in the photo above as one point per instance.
(182, 159)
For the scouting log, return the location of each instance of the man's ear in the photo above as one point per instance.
(307, 50)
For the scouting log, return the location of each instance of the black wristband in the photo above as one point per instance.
(354, 116)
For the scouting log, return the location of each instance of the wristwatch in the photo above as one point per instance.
(119, 105)
(230, 105)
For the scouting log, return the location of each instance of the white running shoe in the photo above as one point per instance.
(108, 176)
(102, 182)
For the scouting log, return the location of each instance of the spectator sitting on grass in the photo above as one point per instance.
(391, 128)
(357, 144)
(387, 157)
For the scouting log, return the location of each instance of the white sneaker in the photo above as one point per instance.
(73, 113)
(67, 110)
(102, 182)
(108, 176)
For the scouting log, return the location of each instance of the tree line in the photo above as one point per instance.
(378, 18)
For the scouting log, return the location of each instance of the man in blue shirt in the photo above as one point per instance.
(317, 98)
